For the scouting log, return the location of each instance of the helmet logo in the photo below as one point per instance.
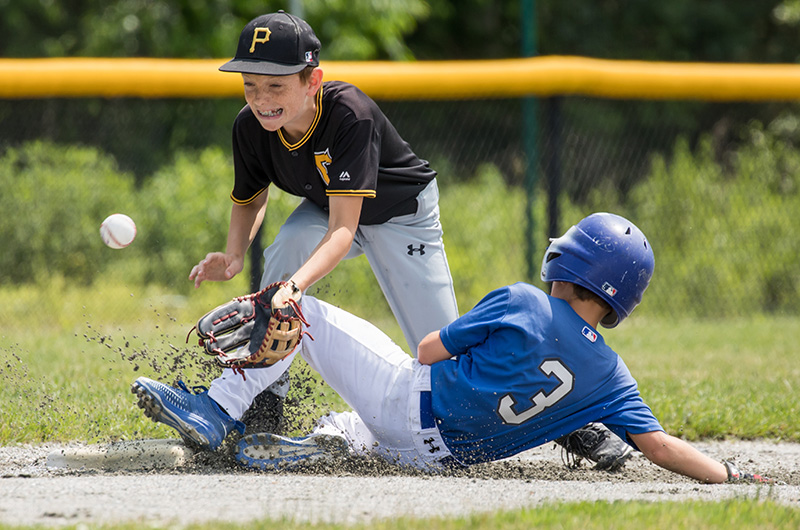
(589, 333)
(609, 289)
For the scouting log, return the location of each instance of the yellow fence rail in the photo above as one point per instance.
(538, 76)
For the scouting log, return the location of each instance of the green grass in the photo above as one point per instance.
(65, 373)
(717, 378)
(584, 516)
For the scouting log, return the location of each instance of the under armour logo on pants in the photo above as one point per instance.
(433, 448)
(420, 249)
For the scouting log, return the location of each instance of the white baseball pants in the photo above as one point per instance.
(376, 378)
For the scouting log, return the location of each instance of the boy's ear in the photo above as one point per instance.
(315, 80)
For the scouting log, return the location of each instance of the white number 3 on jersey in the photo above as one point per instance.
(540, 401)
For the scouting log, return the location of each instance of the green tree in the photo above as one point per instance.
(355, 30)
(680, 30)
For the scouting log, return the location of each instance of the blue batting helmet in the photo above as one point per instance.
(606, 254)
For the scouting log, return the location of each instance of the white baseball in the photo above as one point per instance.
(118, 230)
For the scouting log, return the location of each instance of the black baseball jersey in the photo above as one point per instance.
(351, 149)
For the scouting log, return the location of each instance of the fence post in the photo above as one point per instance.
(553, 173)
(529, 131)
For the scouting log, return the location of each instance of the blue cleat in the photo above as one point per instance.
(270, 451)
(196, 417)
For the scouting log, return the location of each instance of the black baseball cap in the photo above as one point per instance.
(275, 44)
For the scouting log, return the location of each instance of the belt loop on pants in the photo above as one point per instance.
(426, 418)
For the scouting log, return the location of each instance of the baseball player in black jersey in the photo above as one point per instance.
(364, 192)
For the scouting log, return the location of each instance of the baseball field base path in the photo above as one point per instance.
(35, 494)
(123, 456)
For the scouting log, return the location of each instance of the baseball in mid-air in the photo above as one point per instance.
(118, 230)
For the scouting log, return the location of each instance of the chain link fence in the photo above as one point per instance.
(715, 186)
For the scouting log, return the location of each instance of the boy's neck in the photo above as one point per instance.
(297, 130)
(588, 310)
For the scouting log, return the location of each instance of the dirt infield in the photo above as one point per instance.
(351, 491)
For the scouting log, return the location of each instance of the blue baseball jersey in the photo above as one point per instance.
(527, 370)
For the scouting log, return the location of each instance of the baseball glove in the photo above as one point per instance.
(256, 330)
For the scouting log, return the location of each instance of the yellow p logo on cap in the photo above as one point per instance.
(264, 32)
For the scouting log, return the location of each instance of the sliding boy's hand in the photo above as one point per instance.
(734, 475)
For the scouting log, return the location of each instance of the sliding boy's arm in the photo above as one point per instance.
(678, 456)
(431, 349)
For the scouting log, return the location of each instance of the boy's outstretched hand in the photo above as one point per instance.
(216, 267)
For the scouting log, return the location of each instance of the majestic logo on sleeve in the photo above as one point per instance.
(260, 36)
(322, 161)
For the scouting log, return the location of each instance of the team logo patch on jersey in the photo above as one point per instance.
(322, 160)
(589, 333)
(609, 289)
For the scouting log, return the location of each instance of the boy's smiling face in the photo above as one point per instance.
(282, 101)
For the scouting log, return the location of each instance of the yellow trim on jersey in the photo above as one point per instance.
(310, 131)
(248, 201)
(369, 194)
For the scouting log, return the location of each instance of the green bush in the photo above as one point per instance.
(724, 235)
(64, 192)
(725, 240)
(484, 232)
(187, 215)
(53, 201)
